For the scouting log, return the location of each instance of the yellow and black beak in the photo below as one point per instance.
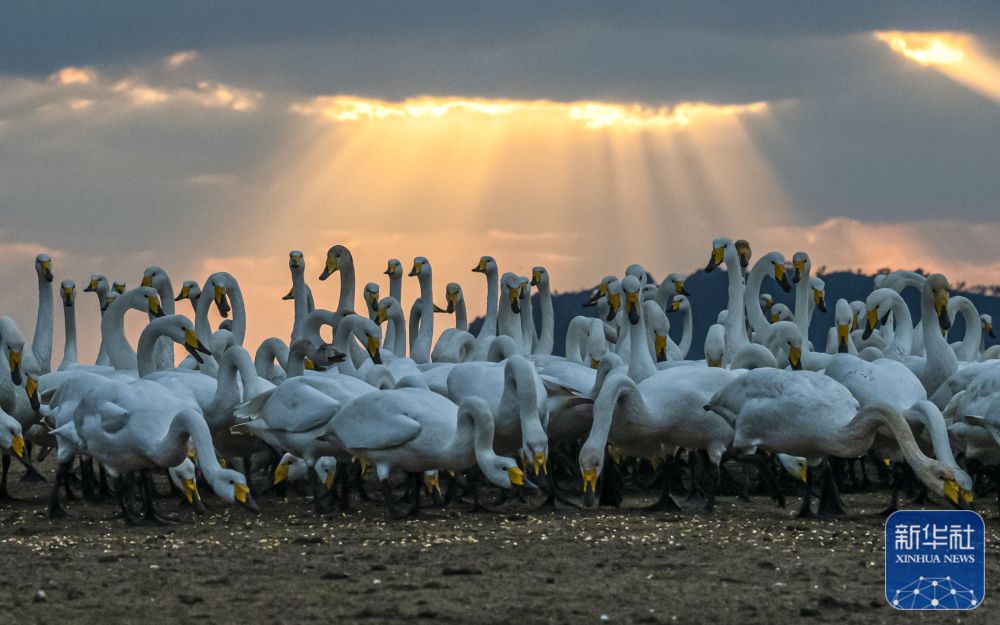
(958, 496)
(432, 484)
(372, 299)
(804, 473)
(14, 361)
(289, 295)
(330, 268)
(415, 271)
(743, 249)
(871, 320)
(539, 463)
(589, 486)
(614, 305)
(195, 346)
(185, 293)
(147, 280)
(190, 490)
(516, 476)
(91, 287)
(716, 259)
(781, 277)
(17, 447)
(675, 305)
(45, 268)
(31, 388)
(795, 357)
(68, 295)
(119, 287)
(941, 307)
(153, 303)
(381, 315)
(295, 260)
(679, 288)
(988, 330)
(632, 307)
(843, 337)
(819, 298)
(713, 362)
(660, 342)
(280, 474)
(514, 295)
(855, 321)
(241, 493)
(452, 299)
(372, 345)
(388, 270)
(536, 277)
(481, 267)
(107, 302)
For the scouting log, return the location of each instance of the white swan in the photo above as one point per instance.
(807, 414)
(546, 338)
(67, 292)
(488, 266)
(724, 251)
(339, 258)
(371, 296)
(940, 361)
(769, 265)
(41, 342)
(416, 430)
(157, 278)
(420, 348)
(299, 293)
(682, 305)
(968, 349)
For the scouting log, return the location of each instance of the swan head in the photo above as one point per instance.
(614, 298)
(539, 275)
(591, 462)
(43, 267)
(819, 293)
(11, 438)
(486, 265)
(385, 307)
(987, 322)
(119, 286)
(290, 468)
(184, 477)
(941, 480)
(217, 282)
(189, 290)
(680, 303)
(800, 266)
(781, 312)
(511, 289)
(766, 303)
(67, 291)
(719, 247)
(337, 257)
(154, 276)
(394, 268)
(421, 267)
(109, 299)
(676, 281)
(97, 283)
(631, 288)
(452, 296)
(371, 296)
(180, 329)
(323, 357)
(153, 302)
(744, 251)
(296, 261)
(844, 318)
(601, 290)
(781, 274)
(371, 336)
(715, 345)
(232, 487)
(937, 287)
(15, 352)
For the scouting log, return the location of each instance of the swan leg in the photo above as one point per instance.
(897, 480)
(830, 503)
(805, 512)
(715, 475)
(321, 498)
(477, 505)
(764, 465)
(390, 500)
(56, 511)
(4, 495)
(695, 465)
(555, 502)
(416, 485)
(123, 488)
(666, 502)
(149, 513)
(360, 481)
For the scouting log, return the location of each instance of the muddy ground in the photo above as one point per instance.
(746, 563)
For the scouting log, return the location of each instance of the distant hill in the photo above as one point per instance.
(708, 297)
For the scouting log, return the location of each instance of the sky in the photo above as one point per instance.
(582, 138)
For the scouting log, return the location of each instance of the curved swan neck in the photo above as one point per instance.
(973, 337)
(640, 364)
(41, 343)
(188, 425)
(736, 334)
(932, 418)
(270, 350)
(528, 337)
(617, 391)
(420, 350)
(461, 316)
(489, 327)
(803, 299)
(687, 335)
(863, 427)
(301, 300)
(113, 340)
(751, 297)
(396, 332)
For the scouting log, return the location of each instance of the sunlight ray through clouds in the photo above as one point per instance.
(958, 56)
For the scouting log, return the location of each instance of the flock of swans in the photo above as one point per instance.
(490, 405)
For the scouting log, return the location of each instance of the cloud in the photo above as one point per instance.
(178, 59)
(212, 180)
(74, 76)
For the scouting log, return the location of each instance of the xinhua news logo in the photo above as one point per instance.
(934, 560)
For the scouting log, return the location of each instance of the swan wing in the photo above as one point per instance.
(381, 430)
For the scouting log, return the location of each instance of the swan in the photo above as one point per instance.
(682, 305)
(394, 270)
(11, 442)
(546, 339)
(838, 338)
(389, 311)
(769, 265)
(517, 400)
(455, 344)
(672, 285)
(292, 469)
(371, 296)
(67, 291)
(299, 293)
(809, 294)
(271, 360)
(138, 426)
(339, 258)
(488, 266)
(157, 278)
(987, 331)
(807, 414)
(724, 251)
(119, 286)
(41, 342)
(190, 290)
(416, 430)
(420, 348)
(99, 286)
(585, 341)
(968, 349)
(880, 303)
(940, 361)
(641, 418)
(228, 297)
